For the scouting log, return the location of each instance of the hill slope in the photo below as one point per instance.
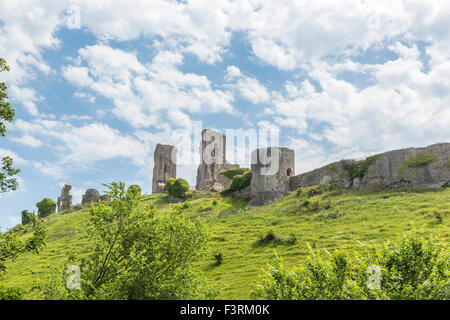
(334, 219)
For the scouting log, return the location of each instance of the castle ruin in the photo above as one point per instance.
(271, 170)
(65, 200)
(212, 162)
(165, 166)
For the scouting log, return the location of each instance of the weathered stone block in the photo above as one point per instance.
(165, 166)
(271, 170)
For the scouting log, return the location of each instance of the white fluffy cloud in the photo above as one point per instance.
(248, 87)
(81, 147)
(143, 93)
(405, 106)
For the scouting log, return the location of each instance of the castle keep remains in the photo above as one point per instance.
(165, 166)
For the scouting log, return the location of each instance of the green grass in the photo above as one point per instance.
(338, 218)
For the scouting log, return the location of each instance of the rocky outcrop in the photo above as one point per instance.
(213, 161)
(427, 167)
(165, 166)
(65, 200)
(90, 196)
(271, 170)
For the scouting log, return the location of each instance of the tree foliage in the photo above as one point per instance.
(7, 113)
(28, 217)
(136, 253)
(10, 248)
(177, 188)
(239, 182)
(230, 173)
(135, 189)
(412, 267)
(46, 207)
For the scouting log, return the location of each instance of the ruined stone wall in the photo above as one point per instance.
(213, 161)
(65, 200)
(271, 170)
(90, 196)
(165, 166)
(427, 167)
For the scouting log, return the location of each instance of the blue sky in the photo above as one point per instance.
(95, 92)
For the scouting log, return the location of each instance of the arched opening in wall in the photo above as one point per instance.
(289, 172)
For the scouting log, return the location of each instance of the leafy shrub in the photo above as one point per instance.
(28, 217)
(420, 160)
(332, 166)
(239, 182)
(46, 207)
(169, 184)
(230, 173)
(355, 169)
(136, 189)
(177, 188)
(214, 203)
(298, 192)
(136, 253)
(412, 267)
(305, 203)
(186, 205)
(219, 258)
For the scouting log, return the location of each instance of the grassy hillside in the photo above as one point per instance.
(334, 219)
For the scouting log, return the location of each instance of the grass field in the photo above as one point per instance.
(334, 219)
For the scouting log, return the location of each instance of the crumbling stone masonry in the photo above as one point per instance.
(427, 167)
(90, 196)
(65, 200)
(271, 170)
(213, 161)
(165, 166)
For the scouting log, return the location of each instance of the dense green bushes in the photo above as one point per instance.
(412, 267)
(28, 217)
(136, 253)
(46, 207)
(230, 173)
(355, 169)
(177, 188)
(239, 182)
(136, 189)
(420, 160)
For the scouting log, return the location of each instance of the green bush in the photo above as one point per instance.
(136, 189)
(169, 184)
(355, 169)
(219, 258)
(177, 188)
(28, 217)
(420, 160)
(239, 182)
(230, 173)
(412, 267)
(46, 207)
(136, 254)
(298, 192)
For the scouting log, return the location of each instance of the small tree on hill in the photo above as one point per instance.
(135, 189)
(136, 253)
(46, 207)
(28, 217)
(178, 188)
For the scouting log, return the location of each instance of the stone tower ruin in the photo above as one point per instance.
(271, 170)
(90, 196)
(65, 200)
(212, 162)
(165, 166)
